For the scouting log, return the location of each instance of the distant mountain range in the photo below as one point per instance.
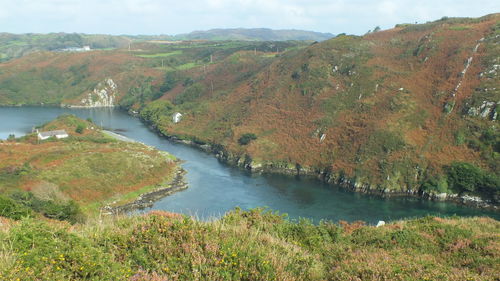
(255, 34)
(18, 45)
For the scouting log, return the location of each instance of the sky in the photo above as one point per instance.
(183, 16)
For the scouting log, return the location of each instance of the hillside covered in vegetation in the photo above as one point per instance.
(76, 176)
(252, 245)
(17, 45)
(409, 110)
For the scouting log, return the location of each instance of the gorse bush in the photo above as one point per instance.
(250, 245)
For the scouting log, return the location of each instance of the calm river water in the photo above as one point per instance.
(215, 188)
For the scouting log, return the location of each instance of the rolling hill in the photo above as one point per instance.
(409, 110)
(254, 34)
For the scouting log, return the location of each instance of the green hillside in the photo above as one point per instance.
(18, 45)
(410, 110)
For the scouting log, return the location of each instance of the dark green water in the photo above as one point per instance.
(215, 188)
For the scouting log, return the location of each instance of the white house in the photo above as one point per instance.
(59, 134)
(176, 117)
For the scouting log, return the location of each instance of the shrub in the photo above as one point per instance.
(246, 138)
(155, 110)
(188, 82)
(191, 93)
(22, 204)
(170, 81)
(296, 75)
(466, 177)
(80, 128)
(11, 209)
(438, 184)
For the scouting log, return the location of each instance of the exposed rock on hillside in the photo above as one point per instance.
(103, 95)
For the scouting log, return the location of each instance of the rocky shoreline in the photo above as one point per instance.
(326, 176)
(147, 200)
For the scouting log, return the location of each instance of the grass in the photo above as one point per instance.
(249, 245)
(160, 55)
(91, 168)
(187, 66)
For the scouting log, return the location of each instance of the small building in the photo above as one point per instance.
(176, 118)
(322, 138)
(59, 134)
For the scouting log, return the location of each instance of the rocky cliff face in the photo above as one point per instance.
(103, 95)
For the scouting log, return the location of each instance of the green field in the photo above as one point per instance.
(160, 55)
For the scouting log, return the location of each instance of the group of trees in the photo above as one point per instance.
(465, 178)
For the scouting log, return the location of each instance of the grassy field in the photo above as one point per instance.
(160, 55)
(253, 245)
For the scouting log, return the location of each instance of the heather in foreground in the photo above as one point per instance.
(249, 245)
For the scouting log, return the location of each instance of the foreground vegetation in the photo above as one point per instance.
(249, 245)
(55, 178)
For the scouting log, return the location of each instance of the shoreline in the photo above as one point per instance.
(147, 200)
(326, 176)
(329, 177)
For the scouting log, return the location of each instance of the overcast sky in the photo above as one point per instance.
(182, 16)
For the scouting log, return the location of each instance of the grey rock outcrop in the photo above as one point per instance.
(103, 95)
(488, 109)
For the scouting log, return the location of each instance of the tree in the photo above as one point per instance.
(246, 138)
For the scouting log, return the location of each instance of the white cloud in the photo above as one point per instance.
(388, 8)
(172, 17)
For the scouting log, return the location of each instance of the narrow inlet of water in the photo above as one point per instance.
(215, 188)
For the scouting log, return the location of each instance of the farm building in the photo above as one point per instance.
(60, 134)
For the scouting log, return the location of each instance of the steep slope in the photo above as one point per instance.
(392, 111)
(55, 78)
